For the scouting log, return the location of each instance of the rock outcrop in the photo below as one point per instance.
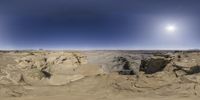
(137, 74)
(38, 66)
(185, 64)
(154, 64)
(125, 65)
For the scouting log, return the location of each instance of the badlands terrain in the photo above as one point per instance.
(99, 75)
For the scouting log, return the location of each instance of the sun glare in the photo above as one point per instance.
(170, 28)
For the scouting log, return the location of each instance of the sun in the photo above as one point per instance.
(170, 28)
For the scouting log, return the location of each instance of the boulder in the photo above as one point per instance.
(153, 64)
(124, 65)
(135, 66)
(29, 62)
(183, 70)
(186, 64)
(33, 75)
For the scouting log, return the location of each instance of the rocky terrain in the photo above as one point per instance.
(99, 75)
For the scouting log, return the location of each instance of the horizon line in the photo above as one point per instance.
(99, 49)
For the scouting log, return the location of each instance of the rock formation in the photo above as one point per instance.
(138, 74)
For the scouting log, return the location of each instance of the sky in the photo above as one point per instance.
(99, 24)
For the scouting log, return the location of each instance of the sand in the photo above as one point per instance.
(99, 75)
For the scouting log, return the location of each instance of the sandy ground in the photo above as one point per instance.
(89, 97)
(76, 76)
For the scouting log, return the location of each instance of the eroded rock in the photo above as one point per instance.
(10, 75)
(153, 64)
(37, 66)
(186, 64)
(124, 65)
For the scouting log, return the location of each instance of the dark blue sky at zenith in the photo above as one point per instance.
(99, 24)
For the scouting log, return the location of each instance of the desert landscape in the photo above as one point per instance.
(99, 49)
(99, 75)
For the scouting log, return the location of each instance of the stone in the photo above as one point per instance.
(124, 65)
(153, 64)
(190, 63)
(33, 75)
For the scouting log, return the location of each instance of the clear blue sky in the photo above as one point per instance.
(99, 24)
